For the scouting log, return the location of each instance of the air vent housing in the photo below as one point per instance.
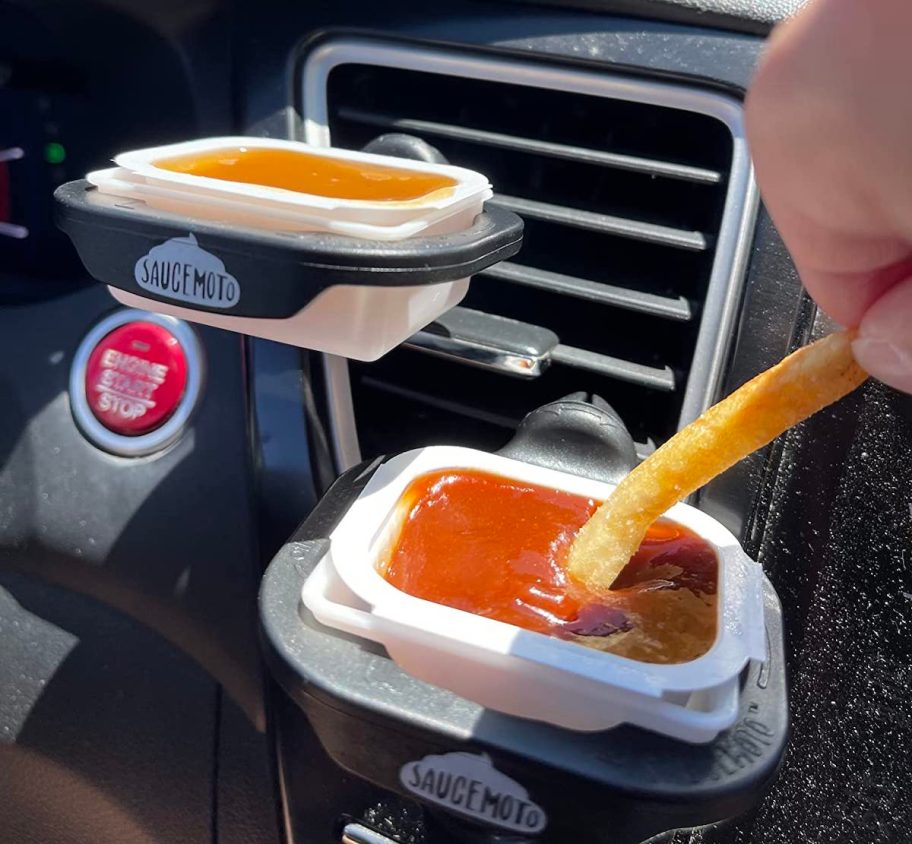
(631, 246)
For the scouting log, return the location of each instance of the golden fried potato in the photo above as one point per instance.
(752, 416)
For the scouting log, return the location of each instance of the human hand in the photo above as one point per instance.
(829, 121)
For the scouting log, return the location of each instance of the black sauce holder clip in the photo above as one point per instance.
(538, 782)
(349, 296)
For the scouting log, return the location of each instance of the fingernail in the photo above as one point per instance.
(885, 360)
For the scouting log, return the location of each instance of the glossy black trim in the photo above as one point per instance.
(279, 273)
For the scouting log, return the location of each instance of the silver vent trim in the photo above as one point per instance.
(726, 279)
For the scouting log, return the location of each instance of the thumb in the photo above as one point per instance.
(883, 346)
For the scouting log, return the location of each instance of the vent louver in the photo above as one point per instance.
(623, 203)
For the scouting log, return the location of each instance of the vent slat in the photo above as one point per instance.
(603, 223)
(624, 370)
(636, 164)
(471, 411)
(678, 309)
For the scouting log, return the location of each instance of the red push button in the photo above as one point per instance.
(135, 378)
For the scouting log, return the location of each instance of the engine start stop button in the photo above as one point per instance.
(135, 381)
(135, 378)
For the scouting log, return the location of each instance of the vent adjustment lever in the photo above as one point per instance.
(488, 342)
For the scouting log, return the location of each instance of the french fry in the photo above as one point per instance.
(752, 416)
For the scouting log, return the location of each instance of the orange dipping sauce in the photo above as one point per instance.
(496, 547)
(309, 173)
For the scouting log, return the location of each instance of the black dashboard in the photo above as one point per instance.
(134, 705)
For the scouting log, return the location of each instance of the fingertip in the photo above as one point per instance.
(848, 296)
(883, 346)
(844, 298)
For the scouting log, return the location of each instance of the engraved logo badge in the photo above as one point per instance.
(468, 784)
(179, 269)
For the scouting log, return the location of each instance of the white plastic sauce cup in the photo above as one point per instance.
(357, 321)
(517, 671)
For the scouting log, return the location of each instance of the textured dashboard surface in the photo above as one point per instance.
(836, 546)
(106, 732)
(167, 539)
(747, 15)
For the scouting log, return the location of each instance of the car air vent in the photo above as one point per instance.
(625, 204)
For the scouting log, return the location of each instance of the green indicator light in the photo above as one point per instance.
(54, 153)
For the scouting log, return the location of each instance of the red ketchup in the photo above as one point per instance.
(497, 547)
